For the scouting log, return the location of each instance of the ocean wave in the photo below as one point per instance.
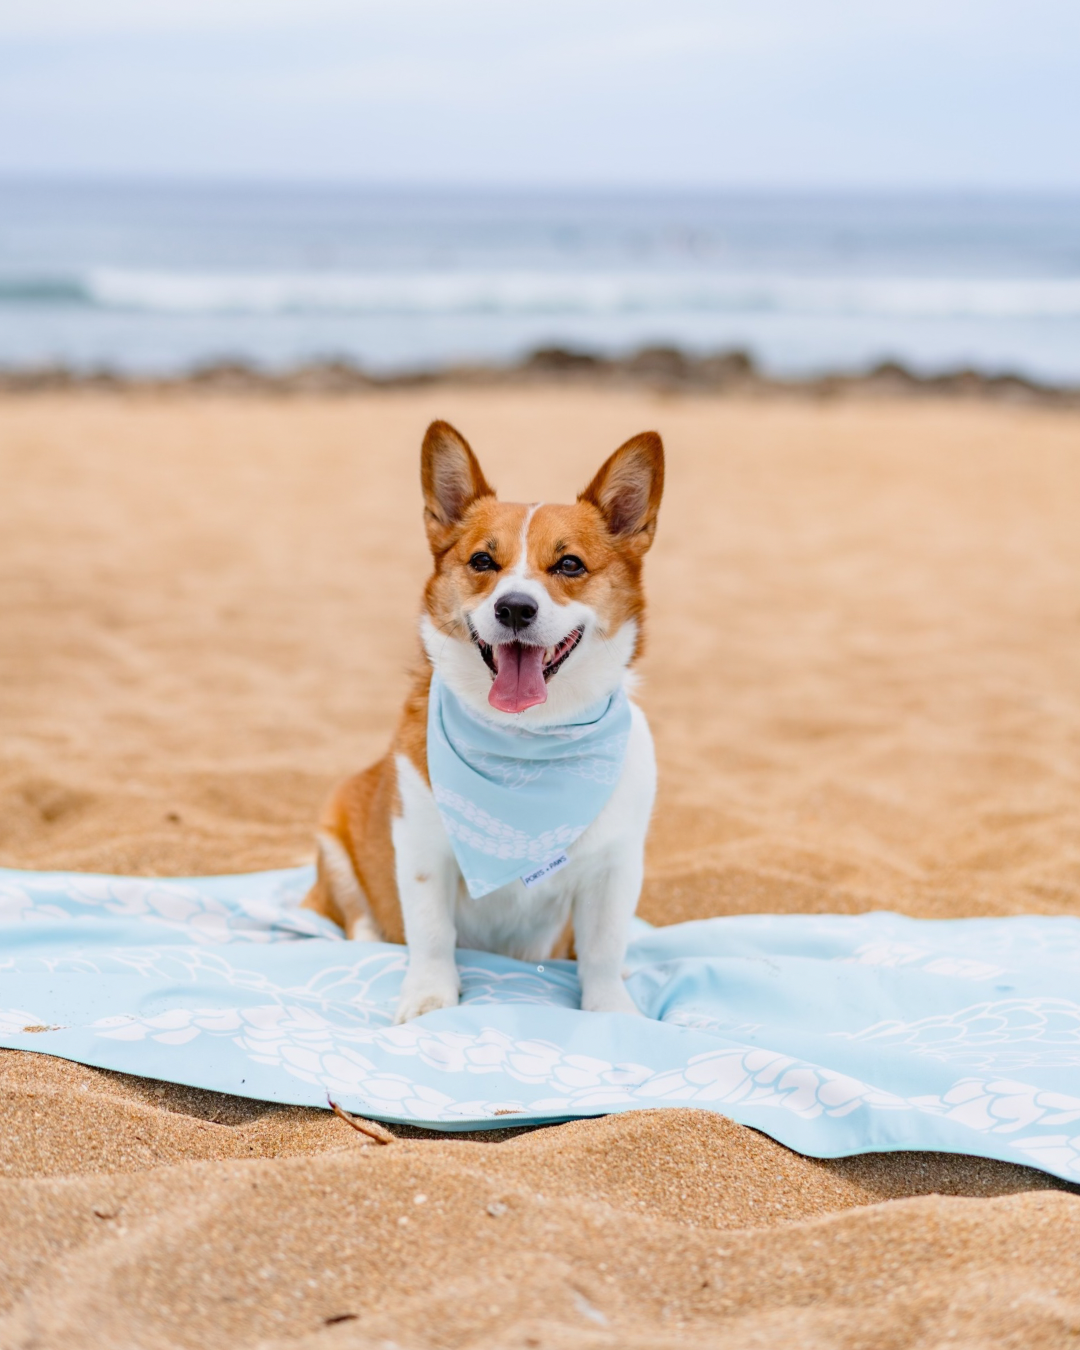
(34, 291)
(545, 293)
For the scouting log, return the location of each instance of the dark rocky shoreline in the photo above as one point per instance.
(664, 369)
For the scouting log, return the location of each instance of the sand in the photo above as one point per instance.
(864, 681)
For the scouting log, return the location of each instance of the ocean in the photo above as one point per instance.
(146, 278)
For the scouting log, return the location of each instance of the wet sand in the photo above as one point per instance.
(864, 681)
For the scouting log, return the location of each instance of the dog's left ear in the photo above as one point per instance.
(452, 479)
(628, 488)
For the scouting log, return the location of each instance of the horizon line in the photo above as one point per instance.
(141, 178)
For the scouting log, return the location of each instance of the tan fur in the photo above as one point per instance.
(610, 527)
(359, 815)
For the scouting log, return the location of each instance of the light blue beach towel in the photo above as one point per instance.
(834, 1034)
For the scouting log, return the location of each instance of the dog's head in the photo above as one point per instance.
(536, 611)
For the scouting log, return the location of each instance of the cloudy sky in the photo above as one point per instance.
(773, 93)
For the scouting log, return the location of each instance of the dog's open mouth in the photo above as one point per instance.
(521, 671)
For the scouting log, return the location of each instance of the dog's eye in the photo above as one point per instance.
(483, 562)
(569, 566)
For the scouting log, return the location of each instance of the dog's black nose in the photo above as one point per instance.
(515, 611)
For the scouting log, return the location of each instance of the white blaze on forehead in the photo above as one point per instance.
(522, 580)
(521, 565)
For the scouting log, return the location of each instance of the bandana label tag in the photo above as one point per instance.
(552, 865)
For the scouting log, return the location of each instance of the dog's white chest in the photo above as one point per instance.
(515, 920)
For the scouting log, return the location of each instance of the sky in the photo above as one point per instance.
(828, 94)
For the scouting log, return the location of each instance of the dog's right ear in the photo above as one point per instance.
(452, 479)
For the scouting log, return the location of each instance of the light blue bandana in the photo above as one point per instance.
(514, 798)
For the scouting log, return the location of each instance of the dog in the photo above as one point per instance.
(517, 717)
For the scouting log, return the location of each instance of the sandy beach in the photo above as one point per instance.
(863, 677)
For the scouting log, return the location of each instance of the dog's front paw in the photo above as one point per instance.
(611, 996)
(426, 994)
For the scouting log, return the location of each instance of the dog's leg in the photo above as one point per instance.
(603, 908)
(343, 891)
(431, 981)
(427, 879)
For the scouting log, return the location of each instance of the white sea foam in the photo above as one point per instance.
(570, 293)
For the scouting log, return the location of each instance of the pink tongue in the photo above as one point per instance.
(519, 680)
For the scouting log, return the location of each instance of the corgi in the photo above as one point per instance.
(533, 615)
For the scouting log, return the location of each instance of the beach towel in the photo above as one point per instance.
(513, 798)
(834, 1034)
